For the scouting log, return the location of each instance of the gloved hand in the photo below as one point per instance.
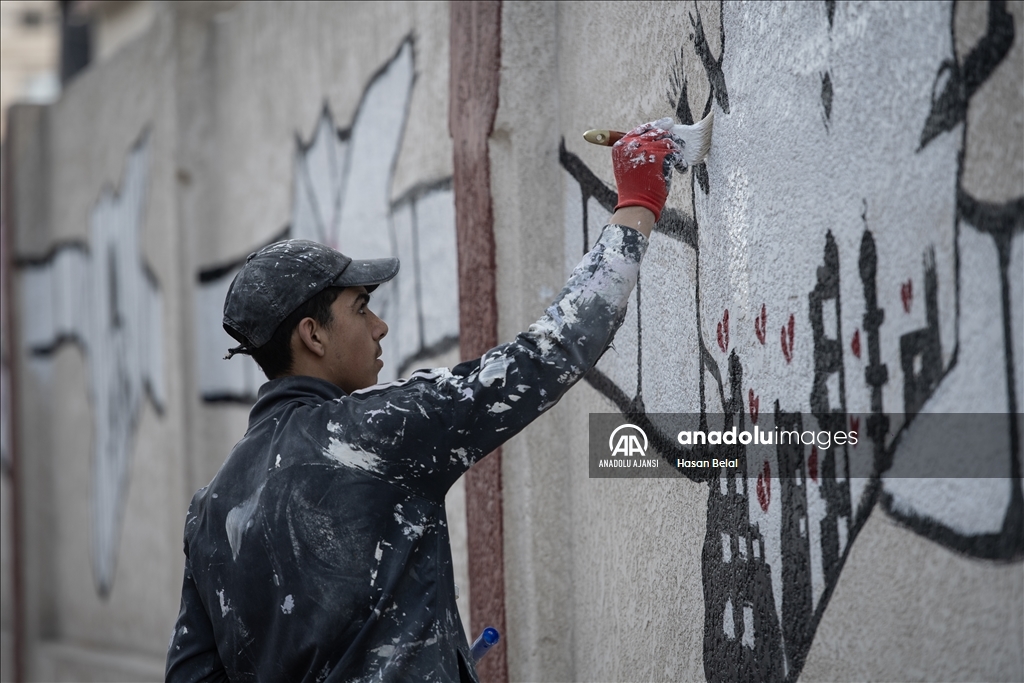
(643, 161)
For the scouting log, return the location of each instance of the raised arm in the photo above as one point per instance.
(430, 429)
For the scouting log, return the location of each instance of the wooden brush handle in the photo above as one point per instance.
(605, 138)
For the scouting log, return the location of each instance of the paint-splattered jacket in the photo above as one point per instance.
(320, 550)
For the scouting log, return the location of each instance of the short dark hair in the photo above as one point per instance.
(275, 357)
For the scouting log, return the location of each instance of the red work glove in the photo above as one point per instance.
(643, 161)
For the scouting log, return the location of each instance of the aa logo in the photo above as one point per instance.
(628, 443)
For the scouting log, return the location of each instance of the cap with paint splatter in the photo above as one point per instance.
(281, 277)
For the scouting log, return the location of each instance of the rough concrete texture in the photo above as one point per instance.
(524, 182)
(846, 177)
(957, 629)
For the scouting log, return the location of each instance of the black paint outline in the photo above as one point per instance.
(1002, 221)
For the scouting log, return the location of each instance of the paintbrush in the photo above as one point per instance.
(695, 140)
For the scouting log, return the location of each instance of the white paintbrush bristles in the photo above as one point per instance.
(696, 139)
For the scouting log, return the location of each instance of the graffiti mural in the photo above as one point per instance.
(832, 271)
(341, 196)
(102, 296)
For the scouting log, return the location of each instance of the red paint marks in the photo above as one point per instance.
(761, 324)
(755, 405)
(764, 486)
(723, 332)
(812, 463)
(907, 295)
(786, 338)
(855, 343)
(855, 429)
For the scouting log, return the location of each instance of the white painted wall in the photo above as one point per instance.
(650, 579)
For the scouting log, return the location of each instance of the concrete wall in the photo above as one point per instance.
(866, 158)
(861, 209)
(136, 199)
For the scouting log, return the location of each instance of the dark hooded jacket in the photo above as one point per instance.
(320, 551)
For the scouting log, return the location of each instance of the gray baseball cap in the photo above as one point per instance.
(281, 277)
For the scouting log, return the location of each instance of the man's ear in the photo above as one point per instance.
(310, 335)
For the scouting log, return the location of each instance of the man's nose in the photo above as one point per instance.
(381, 328)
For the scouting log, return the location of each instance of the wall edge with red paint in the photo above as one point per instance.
(473, 102)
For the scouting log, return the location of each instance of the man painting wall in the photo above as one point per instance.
(320, 550)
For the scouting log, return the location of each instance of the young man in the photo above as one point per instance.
(320, 550)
